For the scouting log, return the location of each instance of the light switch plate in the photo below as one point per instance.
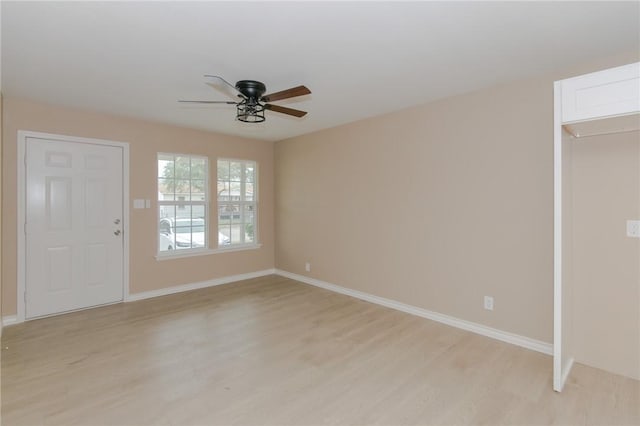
(138, 203)
(633, 228)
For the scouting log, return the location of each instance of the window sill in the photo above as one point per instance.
(179, 254)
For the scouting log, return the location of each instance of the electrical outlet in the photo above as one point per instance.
(307, 267)
(488, 303)
(633, 228)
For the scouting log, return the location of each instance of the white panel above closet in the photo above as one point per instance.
(611, 92)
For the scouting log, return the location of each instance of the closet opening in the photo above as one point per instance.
(597, 223)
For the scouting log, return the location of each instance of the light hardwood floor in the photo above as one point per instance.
(274, 351)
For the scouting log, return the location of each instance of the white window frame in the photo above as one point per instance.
(242, 203)
(175, 253)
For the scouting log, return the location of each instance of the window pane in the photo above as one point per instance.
(198, 168)
(249, 173)
(166, 237)
(229, 220)
(166, 189)
(178, 230)
(235, 171)
(199, 213)
(249, 223)
(167, 211)
(182, 218)
(223, 191)
(224, 235)
(183, 189)
(223, 170)
(182, 167)
(235, 191)
(234, 210)
(165, 165)
(236, 237)
(190, 232)
(228, 212)
(198, 188)
(248, 192)
(237, 225)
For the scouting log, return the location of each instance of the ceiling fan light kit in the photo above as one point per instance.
(251, 107)
(250, 113)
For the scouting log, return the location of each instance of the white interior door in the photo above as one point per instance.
(74, 212)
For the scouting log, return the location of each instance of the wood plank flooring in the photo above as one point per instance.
(272, 351)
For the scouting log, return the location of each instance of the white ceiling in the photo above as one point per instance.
(360, 59)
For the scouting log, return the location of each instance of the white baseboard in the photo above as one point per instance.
(514, 339)
(195, 286)
(13, 319)
(9, 320)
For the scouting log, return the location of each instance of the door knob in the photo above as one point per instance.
(116, 232)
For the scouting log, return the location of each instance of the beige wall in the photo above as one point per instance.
(145, 139)
(606, 296)
(434, 206)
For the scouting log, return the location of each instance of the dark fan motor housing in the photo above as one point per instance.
(251, 88)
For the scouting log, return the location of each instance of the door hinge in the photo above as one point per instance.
(25, 228)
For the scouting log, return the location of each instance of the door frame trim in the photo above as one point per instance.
(23, 135)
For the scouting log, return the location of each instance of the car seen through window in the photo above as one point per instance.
(177, 234)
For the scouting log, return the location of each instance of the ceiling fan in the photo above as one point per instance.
(253, 102)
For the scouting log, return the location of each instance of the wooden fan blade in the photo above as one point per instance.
(209, 102)
(285, 110)
(286, 94)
